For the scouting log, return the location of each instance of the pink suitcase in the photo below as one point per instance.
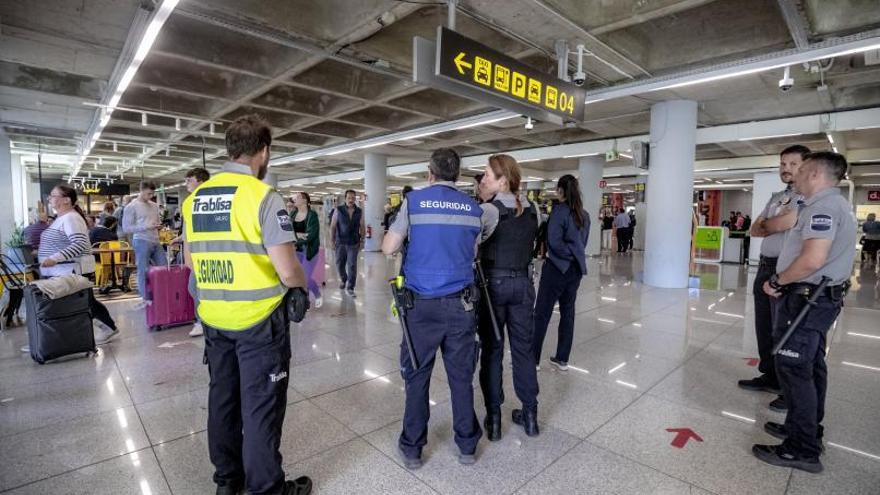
(167, 286)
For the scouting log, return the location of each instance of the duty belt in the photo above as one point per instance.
(506, 273)
(768, 261)
(454, 295)
(834, 292)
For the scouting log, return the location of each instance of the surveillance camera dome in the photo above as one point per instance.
(579, 78)
(786, 83)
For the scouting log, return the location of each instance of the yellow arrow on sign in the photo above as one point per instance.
(459, 63)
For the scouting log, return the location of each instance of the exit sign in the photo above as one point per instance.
(874, 195)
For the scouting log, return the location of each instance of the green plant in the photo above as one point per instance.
(16, 237)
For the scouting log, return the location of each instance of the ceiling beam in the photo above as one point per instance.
(797, 24)
(594, 41)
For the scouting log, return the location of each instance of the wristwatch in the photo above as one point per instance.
(774, 282)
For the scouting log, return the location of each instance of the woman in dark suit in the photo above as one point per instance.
(567, 231)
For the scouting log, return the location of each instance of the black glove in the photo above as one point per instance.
(297, 304)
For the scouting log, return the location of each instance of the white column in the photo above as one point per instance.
(7, 210)
(670, 193)
(764, 185)
(590, 169)
(19, 178)
(376, 188)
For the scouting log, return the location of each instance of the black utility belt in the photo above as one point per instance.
(470, 292)
(834, 292)
(507, 273)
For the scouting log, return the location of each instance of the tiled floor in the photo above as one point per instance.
(132, 420)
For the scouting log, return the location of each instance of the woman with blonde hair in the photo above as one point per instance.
(506, 259)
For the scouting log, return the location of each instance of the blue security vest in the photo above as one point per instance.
(348, 231)
(444, 225)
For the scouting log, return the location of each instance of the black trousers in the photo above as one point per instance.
(803, 375)
(765, 315)
(247, 400)
(623, 238)
(440, 323)
(556, 286)
(513, 299)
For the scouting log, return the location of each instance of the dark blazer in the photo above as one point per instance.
(565, 242)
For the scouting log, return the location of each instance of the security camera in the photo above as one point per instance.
(529, 125)
(580, 77)
(787, 82)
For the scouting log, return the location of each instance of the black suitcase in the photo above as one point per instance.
(58, 327)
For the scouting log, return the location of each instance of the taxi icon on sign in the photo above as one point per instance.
(483, 71)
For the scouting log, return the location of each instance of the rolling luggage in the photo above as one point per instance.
(172, 304)
(58, 327)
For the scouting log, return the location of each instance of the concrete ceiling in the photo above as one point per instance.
(326, 72)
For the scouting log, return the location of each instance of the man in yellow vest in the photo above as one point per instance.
(239, 241)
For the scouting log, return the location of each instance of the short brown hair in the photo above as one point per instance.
(247, 136)
(148, 185)
(200, 174)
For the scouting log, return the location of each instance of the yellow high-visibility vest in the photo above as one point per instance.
(237, 284)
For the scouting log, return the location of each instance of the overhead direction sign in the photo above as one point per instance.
(468, 62)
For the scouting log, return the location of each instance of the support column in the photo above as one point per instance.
(764, 185)
(590, 170)
(670, 193)
(376, 188)
(7, 210)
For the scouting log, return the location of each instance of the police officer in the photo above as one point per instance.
(442, 227)
(506, 259)
(819, 245)
(239, 240)
(778, 216)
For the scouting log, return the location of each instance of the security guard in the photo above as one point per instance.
(821, 244)
(443, 227)
(778, 216)
(506, 259)
(239, 240)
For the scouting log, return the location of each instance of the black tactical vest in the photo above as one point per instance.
(511, 245)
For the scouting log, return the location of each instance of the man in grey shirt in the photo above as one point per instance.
(141, 220)
(778, 216)
(621, 223)
(820, 245)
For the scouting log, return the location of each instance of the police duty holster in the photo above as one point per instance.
(402, 300)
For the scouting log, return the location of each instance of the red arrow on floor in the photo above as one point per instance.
(751, 361)
(682, 436)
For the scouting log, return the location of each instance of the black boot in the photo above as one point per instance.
(299, 486)
(528, 420)
(492, 423)
(230, 488)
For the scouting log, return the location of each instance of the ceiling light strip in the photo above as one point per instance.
(455, 125)
(837, 47)
(143, 48)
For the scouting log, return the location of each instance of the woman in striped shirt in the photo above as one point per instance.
(65, 248)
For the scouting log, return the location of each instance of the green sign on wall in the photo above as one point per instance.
(708, 238)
